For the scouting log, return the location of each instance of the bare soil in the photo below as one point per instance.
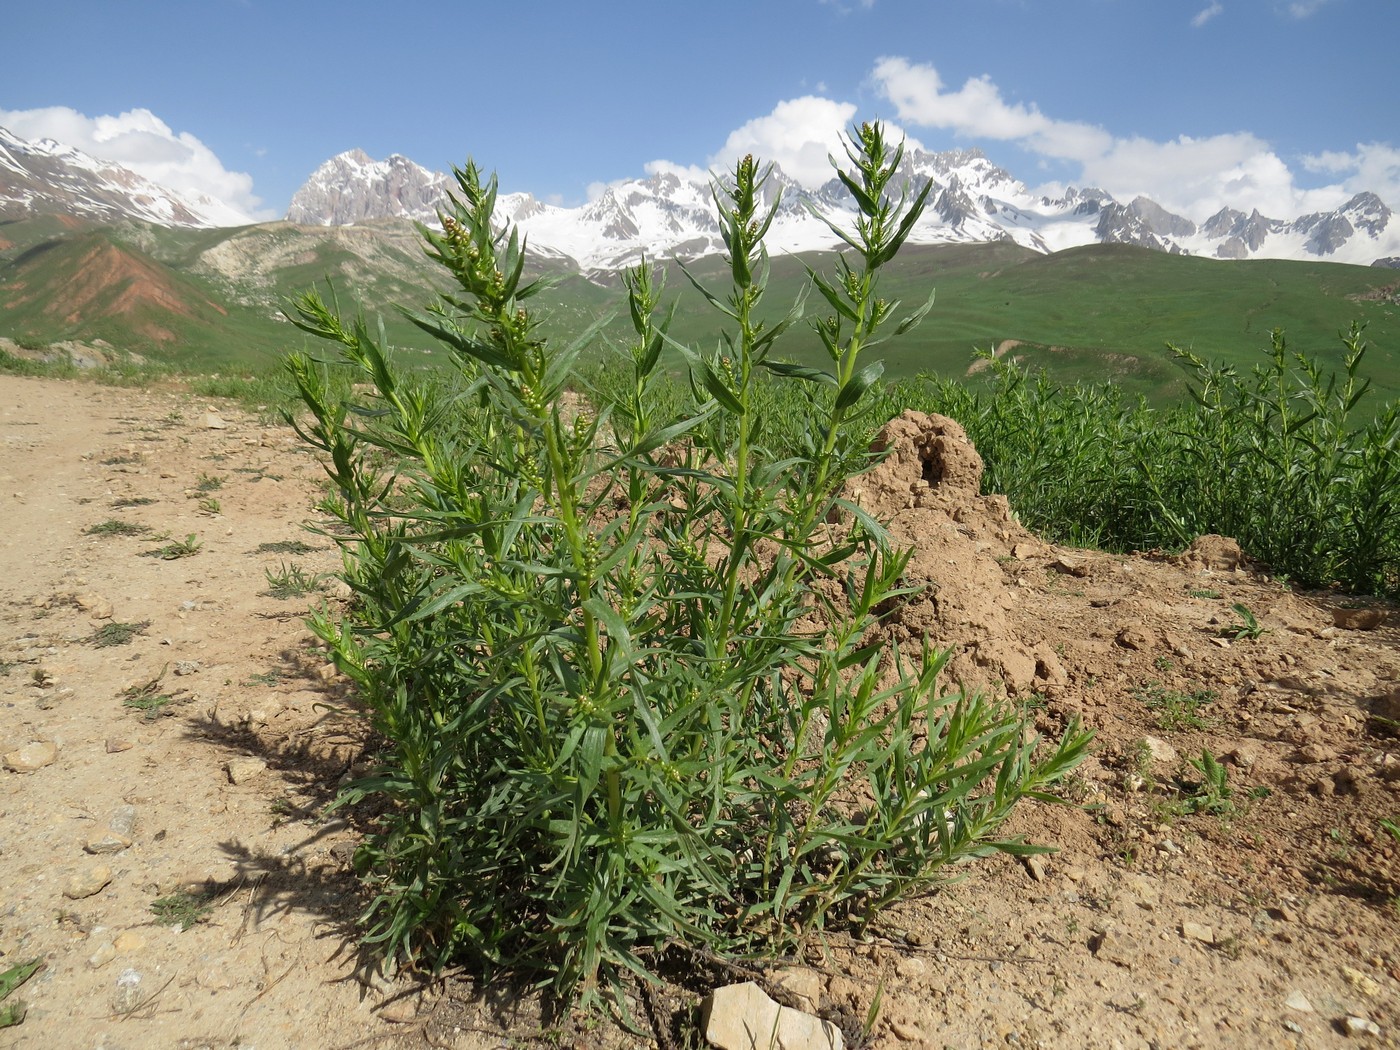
(1267, 924)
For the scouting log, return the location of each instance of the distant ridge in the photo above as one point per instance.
(973, 200)
(49, 178)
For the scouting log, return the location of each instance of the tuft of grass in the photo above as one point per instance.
(132, 501)
(182, 909)
(116, 527)
(285, 547)
(290, 581)
(1175, 709)
(208, 483)
(147, 697)
(186, 548)
(116, 633)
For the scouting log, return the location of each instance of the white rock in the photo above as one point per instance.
(742, 1017)
(1298, 1001)
(1361, 1026)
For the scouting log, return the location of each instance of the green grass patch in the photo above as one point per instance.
(116, 527)
(117, 633)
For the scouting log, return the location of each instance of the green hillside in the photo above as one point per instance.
(213, 298)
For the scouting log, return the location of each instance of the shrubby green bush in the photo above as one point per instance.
(1288, 460)
(623, 670)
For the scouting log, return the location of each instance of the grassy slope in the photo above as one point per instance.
(1088, 313)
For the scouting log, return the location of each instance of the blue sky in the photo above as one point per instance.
(1287, 105)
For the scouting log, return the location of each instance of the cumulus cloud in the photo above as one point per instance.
(141, 141)
(1374, 166)
(799, 135)
(1206, 14)
(1192, 176)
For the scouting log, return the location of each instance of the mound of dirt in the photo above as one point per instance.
(172, 733)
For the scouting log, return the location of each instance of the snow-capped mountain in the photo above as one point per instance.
(972, 200)
(47, 177)
(351, 188)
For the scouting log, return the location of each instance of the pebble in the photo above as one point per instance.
(128, 995)
(1361, 982)
(1356, 1026)
(243, 770)
(86, 883)
(32, 757)
(116, 744)
(117, 836)
(1195, 931)
(1298, 1001)
(106, 952)
(909, 1033)
(1115, 947)
(129, 941)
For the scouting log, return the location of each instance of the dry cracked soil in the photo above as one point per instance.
(172, 734)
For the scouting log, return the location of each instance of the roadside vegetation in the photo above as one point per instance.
(619, 658)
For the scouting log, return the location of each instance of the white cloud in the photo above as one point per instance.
(1305, 8)
(1375, 166)
(1206, 14)
(1192, 176)
(798, 136)
(977, 108)
(141, 141)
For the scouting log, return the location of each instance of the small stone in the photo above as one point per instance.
(1114, 947)
(129, 941)
(107, 842)
(803, 983)
(32, 757)
(1070, 566)
(1159, 750)
(96, 606)
(1194, 931)
(1358, 1026)
(1298, 1001)
(1361, 982)
(911, 967)
(87, 883)
(1035, 866)
(243, 770)
(907, 1032)
(1294, 1027)
(742, 1017)
(214, 421)
(117, 744)
(1358, 619)
(128, 994)
(1136, 639)
(186, 667)
(106, 952)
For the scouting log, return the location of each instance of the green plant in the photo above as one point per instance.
(147, 697)
(132, 501)
(290, 581)
(182, 909)
(208, 483)
(210, 505)
(1213, 793)
(1391, 827)
(1176, 709)
(285, 547)
(13, 1013)
(116, 527)
(186, 548)
(622, 656)
(1247, 626)
(1204, 593)
(117, 633)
